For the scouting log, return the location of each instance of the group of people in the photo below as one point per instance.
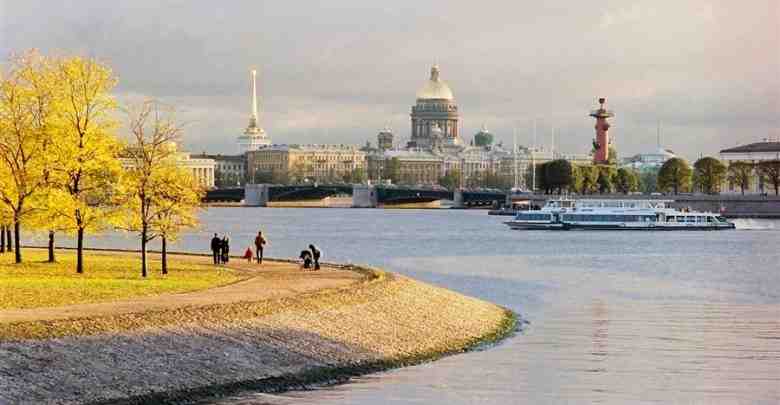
(220, 249)
(309, 257)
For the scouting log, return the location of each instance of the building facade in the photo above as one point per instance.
(754, 154)
(229, 170)
(321, 163)
(648, 161)
(201, 168)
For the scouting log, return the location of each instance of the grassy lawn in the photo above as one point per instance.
(106, 277)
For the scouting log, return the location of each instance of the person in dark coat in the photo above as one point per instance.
(259, 245)
(306, 257)
(315, 254)
(215, 248)
(225, 249)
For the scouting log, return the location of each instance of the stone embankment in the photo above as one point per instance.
(285, 337)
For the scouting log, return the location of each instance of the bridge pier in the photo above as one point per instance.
(364, 196)
(256, 195)
(457, 199)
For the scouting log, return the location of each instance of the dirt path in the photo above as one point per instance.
(270, 280)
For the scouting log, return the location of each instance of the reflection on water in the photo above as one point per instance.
(600, 335)
(615, 317)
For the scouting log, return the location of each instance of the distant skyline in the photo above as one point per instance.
(338, 72)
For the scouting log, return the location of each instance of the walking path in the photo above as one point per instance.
(271, 280)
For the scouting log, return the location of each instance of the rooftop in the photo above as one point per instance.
(764, 146)
(205, 155)
(435, 89)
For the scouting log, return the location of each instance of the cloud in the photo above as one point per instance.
(340, 71)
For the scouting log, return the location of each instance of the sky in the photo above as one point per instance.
(339, 71)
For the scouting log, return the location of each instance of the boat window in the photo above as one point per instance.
(533, 217)
(721, 219)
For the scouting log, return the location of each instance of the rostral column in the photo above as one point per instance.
(601, 143)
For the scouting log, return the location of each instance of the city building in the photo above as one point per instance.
(648, 161)
(385, 139)
(754, 153)
(434, 117)
(435, 147)
(229, 170)
(201, 168)
(321, 163)
(254, 136)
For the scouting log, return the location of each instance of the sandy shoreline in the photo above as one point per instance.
(361, 321)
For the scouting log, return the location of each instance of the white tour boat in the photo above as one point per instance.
(646, 215)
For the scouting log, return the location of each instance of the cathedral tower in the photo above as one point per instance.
(435, 108)
(254, 136)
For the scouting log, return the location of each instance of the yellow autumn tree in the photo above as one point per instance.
(85, 168)
(176, 197)
(160, 198)
(28, 100)
(5, 228)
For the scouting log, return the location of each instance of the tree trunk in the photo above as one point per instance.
(143, 253)
(8, 239)
(17, 244)
(777, 189)
(51, 247)
(2, 239)
(80, 251)
(164, 256)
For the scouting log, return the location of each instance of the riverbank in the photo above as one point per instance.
(273, 336)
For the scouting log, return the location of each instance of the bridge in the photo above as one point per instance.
(361, 195)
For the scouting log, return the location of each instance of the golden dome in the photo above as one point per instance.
(435, 88)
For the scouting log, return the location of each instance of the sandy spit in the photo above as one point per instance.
(390, 322)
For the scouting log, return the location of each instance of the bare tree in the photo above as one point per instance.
(149, 159)
(771, 172)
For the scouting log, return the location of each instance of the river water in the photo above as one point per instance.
(613, 317)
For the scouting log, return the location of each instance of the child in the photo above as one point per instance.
(306, 257)
(248, 254)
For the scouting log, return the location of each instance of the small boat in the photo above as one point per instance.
(623, 215)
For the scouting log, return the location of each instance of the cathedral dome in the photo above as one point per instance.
(435, 89)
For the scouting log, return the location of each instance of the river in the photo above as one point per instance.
(611, 317)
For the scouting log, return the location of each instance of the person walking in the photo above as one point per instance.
(215, 248)
(225, 249)
(315, 254)
(260, 243)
